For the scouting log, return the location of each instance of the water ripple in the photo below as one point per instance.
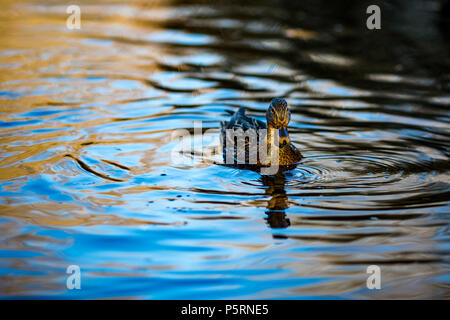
(87, 175)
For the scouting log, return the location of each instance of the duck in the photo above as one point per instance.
(278, 117)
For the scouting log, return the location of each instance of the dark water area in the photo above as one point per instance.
(86, 170)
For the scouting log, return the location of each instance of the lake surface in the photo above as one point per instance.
(86, 157)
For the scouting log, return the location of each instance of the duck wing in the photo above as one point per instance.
(240, 120)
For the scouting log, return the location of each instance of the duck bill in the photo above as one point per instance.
(284, 136)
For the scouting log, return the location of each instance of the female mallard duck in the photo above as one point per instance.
(277, 118)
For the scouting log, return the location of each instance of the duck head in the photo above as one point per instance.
(278, 117)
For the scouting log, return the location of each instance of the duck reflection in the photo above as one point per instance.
(275, 187)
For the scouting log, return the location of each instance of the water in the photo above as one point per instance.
(86, 172)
